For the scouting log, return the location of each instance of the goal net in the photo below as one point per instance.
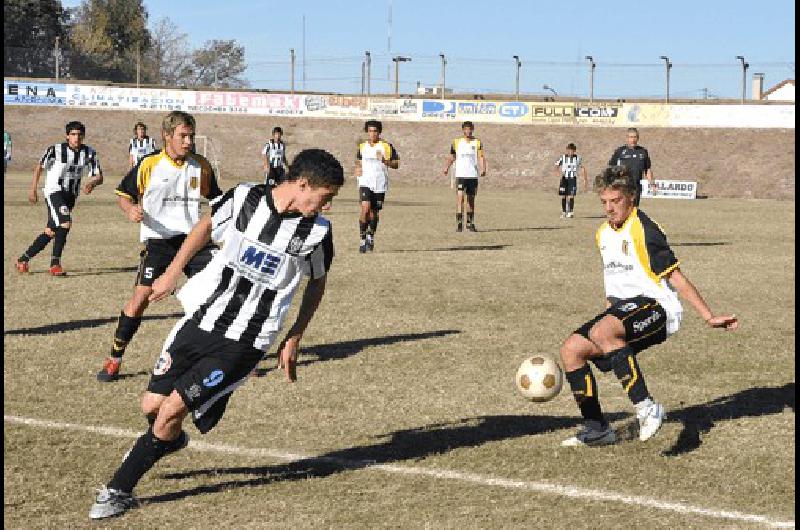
(211, 150)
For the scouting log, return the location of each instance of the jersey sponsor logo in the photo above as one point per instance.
(258, 262)
(214, 378)
(513, 110)
(630, 306)
(163, 363)
(642, 325)
(613, 267)
(193, 392)
(295, 245)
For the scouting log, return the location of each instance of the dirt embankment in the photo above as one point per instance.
(751, 163)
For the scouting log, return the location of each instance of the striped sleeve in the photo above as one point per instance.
(319, 261)
(393, 152)
(358, 152)
(662, 259)
(453, 147)
(127, 187)
(48, 158)
(479, 146)
(94, 163)
(222, 210)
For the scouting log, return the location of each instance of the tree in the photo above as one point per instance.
(219, 63)
(30, 29)
(169, 62)
(107, 38)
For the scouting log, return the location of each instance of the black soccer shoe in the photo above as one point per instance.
(459, 227)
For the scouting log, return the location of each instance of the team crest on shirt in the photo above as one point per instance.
(193, 182)
(625, 247)
(163, 363)
(64, 209)
(295, 245)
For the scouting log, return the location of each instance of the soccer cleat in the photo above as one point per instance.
(110, 371)
(563, 215)
(459, 227)
(650, 420)
(363, 247)
(570, 215)
(370, 243)
(471, 227)
(56, 270)
(110, 503)
(592, 435)
(23, 267)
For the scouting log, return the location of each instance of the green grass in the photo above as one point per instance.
(410, 362)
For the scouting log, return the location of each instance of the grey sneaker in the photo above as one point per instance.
(363, 247)
(110, 503)
(650, 420)
(370, 243)
(592, 434)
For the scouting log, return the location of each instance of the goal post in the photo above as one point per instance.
(211, 151)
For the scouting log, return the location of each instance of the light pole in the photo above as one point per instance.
(667, 66)
(291, 53)
(369, 65)
(516, 58)
(444, 63)
(745, 66)
(551, 89)
(397, 60)
(591, 77)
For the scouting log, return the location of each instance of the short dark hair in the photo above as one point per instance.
(318, 166)
(139, 124)
(373, 123)
(76, 126)
(633, 130)
(571, 146)
(615, 177)
(468, 124)
(277, 129)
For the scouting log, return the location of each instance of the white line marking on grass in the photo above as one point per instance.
(540, 487)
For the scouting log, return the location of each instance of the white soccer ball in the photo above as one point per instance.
(539, 378)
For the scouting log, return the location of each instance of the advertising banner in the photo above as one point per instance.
(644, 115)
(732, 116)
(670, 189)
(33, 93)
(126, 98)
(438, 109)
(247, 103)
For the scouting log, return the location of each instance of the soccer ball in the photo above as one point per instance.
(539, 378)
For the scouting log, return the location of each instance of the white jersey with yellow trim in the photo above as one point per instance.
(374, 173)
(169, 192)
(636, 259)
(466, 151)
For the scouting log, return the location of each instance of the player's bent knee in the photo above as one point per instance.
(151, 403)
(607, 333)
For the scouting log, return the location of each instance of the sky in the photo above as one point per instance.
(479, 38)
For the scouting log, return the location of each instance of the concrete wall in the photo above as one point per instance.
(725, 162)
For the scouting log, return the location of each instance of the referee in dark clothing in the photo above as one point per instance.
(637, 160)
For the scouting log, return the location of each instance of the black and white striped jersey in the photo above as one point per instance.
(246, 290)
(139, 148)
(569, 165)
(276, 151)
(66, 167)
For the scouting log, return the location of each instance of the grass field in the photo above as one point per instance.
(405, 413)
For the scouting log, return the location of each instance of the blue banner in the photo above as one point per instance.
(33, 93)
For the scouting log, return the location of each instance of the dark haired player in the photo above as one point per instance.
(642, 284)
(235, 307)
(274, 153)
(637, 160)
(568, 166)
(467, 154)
(373, 159)
(65, 164)
(140, 145)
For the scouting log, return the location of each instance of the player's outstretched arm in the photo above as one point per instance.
(33, 198)
(689, 292)
(198, 238)
(93, 183)
(287, 351)
(483, 165)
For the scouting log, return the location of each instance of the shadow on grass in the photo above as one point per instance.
(524, 229)
(701, 418)
(74, 325)
(448, 249)
(710, 244)
(342, 350)
(398, 446)
(100, 271)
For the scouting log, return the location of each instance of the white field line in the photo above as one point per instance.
(539, 487)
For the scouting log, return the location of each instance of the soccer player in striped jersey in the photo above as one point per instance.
(373, 160)
(140, 145)
(6, 151)
(467, 154)
(642, 283)
(65, 164)
(162, 193)
(274, 153)
(270, 238)
(568, 166)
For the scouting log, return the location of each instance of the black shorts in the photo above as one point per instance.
(568, 186)
(204, 368)
(468, 186)
(645, 323)
(374, 199)
(59, 208)
(275, 176)
(159, 253)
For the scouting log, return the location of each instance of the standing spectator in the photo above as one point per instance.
(65, 164)
(637, 160)
(467, 154)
